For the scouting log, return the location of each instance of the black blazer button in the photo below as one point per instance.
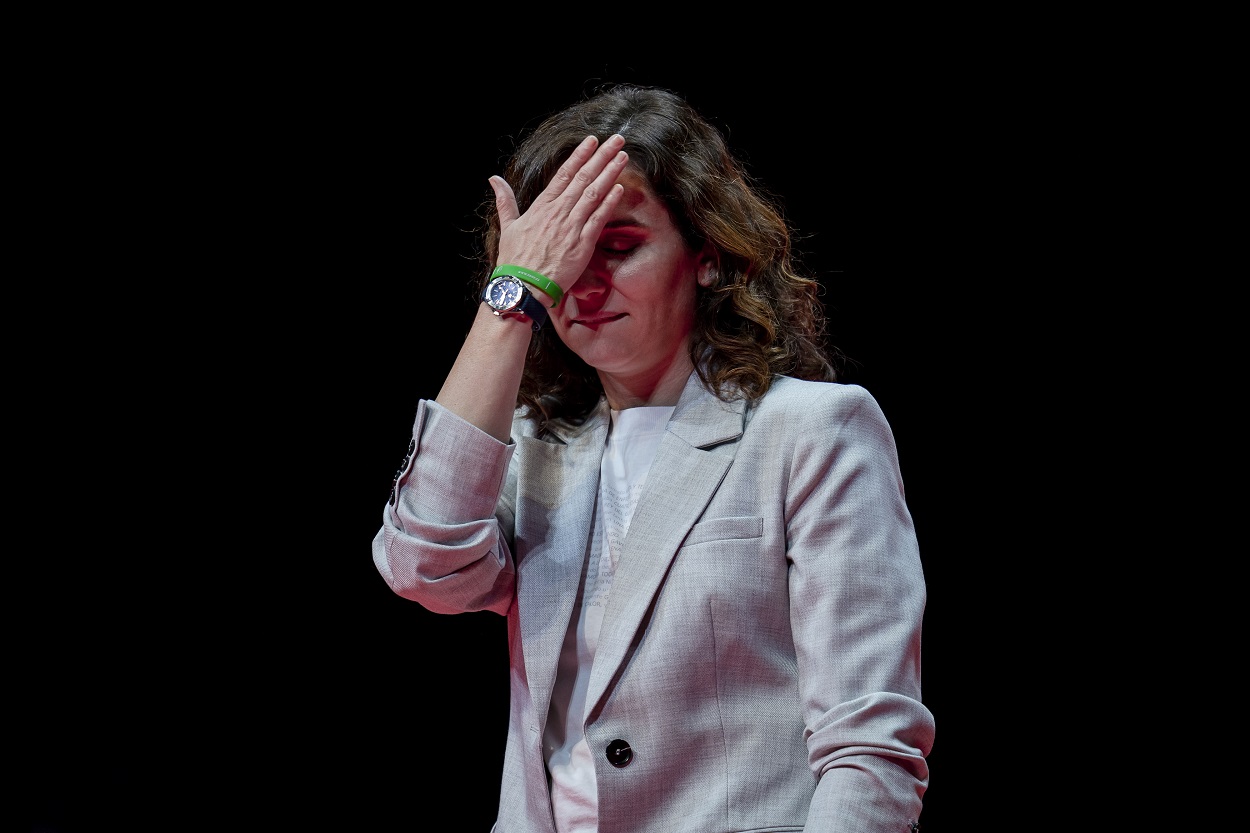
(619, 753)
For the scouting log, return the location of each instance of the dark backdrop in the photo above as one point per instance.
(228, 657)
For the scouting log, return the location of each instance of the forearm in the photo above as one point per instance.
(486, 376)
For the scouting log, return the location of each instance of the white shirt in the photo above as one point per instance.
(633, 438)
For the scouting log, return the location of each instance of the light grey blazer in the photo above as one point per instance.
(760, 651)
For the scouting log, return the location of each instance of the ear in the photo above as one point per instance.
(709, 269)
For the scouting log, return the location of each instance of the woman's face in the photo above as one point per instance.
(631, 312)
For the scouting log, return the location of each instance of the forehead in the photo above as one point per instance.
(639, 196)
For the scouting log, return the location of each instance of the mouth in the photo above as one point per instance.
(595, 321)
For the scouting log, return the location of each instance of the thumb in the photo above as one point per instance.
(505, 201)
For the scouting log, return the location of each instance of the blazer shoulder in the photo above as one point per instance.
(799, 396)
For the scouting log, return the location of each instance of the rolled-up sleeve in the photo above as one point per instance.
(444, 539)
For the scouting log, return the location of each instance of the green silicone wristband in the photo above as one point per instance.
(543, 282)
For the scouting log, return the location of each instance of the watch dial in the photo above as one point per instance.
(504, 294)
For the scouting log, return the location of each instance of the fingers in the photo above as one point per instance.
(567, 172)
(599, 216)
(587, 175)
(582, 169)
(596, 199)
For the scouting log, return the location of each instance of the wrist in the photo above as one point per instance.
(507, 297)
(541, 282)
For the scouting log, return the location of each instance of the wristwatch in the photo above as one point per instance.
(506, 295)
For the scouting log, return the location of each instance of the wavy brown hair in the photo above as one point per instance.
(759, 319)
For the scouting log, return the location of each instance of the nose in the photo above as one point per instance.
(595, 280)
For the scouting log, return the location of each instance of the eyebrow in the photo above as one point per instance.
(625, 221)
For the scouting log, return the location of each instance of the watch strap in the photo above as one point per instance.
(532, 307)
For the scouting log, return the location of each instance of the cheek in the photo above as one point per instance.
(662, 278)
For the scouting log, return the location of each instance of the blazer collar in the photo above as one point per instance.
(700, 419)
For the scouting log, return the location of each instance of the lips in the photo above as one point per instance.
(601, 318)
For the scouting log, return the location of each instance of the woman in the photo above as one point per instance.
(641, 457)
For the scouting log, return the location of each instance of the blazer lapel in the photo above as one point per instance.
(681, 481)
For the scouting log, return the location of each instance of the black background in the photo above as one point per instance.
(214, 648)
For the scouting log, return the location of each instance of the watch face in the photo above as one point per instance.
(503, 293)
